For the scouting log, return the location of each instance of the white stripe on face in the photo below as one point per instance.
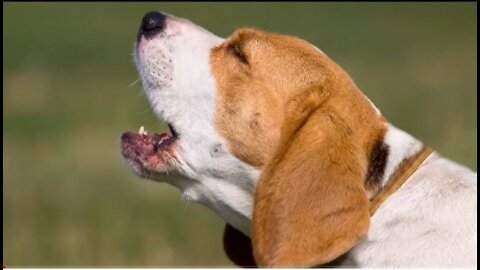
(174, 67)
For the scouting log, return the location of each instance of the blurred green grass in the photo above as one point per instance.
(68, 199)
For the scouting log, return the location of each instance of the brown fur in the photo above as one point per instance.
(292, 112)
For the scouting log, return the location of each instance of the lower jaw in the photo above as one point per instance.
(147, 154)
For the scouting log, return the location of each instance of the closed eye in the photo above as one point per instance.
(235, 50)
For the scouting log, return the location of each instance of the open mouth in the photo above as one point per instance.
(148, 152)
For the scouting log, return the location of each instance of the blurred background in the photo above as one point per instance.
(69, 92)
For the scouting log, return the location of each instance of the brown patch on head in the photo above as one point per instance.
(254, 81)
(285, 107)
(257, 73)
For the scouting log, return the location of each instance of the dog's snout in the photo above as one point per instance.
(153, 22)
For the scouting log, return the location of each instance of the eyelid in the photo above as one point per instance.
(235, 49)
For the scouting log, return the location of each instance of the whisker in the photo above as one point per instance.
(266, 19)
(187, 204)
(133, 83)
(144, 112)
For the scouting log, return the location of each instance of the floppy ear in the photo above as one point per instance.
(238, 247)
(310, 202)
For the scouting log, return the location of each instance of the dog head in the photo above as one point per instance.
(266, 130)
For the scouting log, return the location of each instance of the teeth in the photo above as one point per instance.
(142, 131)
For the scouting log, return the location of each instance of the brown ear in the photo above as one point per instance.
(238, 247)
(310, 202)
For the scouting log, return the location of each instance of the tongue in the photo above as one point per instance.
(143, 143)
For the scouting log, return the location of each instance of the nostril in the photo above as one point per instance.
(153, 20)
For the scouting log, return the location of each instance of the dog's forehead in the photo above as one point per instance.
(259, 39)
(249, 97)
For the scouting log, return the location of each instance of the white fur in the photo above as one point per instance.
(175, 71)
(429, 222)
(401, 145)
(373, 106)
(316, 48)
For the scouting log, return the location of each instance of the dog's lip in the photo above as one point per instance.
(148, 152)
(173, 131)
(137, 146)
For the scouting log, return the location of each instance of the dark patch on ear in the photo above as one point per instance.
(377, 164)
(238, 247)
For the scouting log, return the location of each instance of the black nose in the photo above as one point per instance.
(153, 22)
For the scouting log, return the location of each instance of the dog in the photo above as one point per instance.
(276, 138)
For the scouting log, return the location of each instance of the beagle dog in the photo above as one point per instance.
(276, 138)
